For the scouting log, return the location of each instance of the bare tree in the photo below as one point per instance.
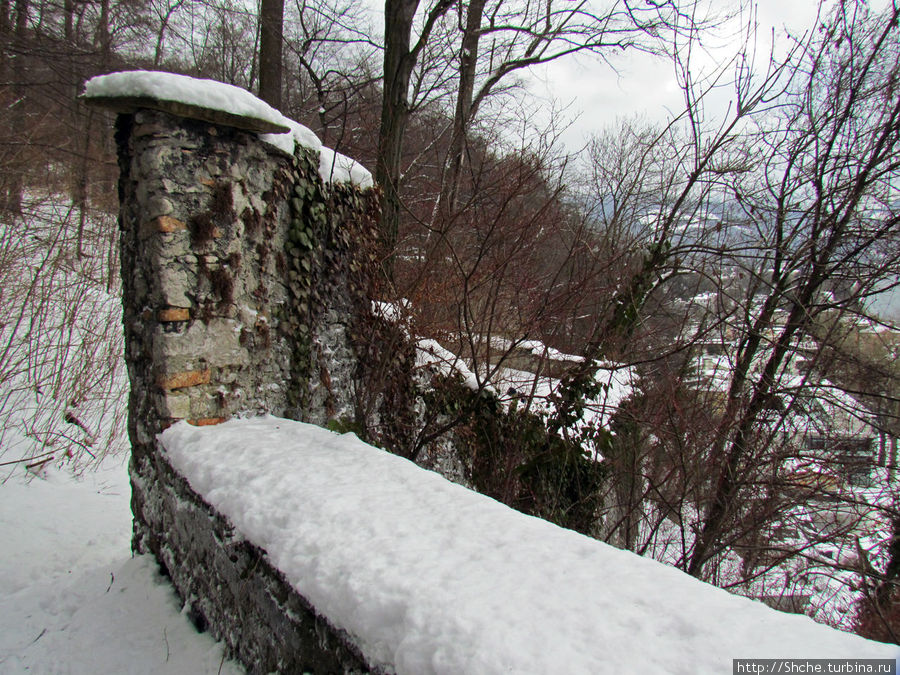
(400, 57)
(749, 251)
(330, 49)
(823, 205)
(518, 35)
(165, 13)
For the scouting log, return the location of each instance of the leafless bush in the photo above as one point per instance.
(62, 380)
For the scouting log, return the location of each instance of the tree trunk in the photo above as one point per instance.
(11, 195)
(398, 65)
(69, 12)
(5, 38)
(5, 29)
(468, 60)
(104, 36)
(271, 21)
(161, 34)
(21, 23)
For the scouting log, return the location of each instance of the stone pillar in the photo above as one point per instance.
(244, 281)
(202, 228)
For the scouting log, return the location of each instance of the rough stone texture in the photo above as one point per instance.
(130, 104)
(228, 584)
(204, 224)
(192, 320)
(190, 378)
(334, 361)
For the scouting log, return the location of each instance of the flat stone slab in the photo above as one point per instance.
(130, 104)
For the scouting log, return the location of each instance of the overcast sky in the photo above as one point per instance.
(594, 95)
(644, 85)
(597, 94)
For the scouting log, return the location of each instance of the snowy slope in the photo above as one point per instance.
(433, 578)
(72, 599)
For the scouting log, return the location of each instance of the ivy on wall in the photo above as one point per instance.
(509, 454)
(332, 260)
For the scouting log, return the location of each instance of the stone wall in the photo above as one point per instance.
(229, 586)
(198, 229)
(218, 296)
(242, 280)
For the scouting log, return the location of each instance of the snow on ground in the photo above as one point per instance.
(510, 384)
(72, 599)
(540, 349)
(434, 578)
(617, 383)
(63, 384)
(520, 386)
(430, 353)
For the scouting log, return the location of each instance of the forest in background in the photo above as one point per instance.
(728, 259)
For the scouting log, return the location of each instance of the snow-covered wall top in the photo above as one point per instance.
(428, 577)
(219, 103)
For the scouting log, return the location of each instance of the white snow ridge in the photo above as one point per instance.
(212, 95)
(429, 577)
